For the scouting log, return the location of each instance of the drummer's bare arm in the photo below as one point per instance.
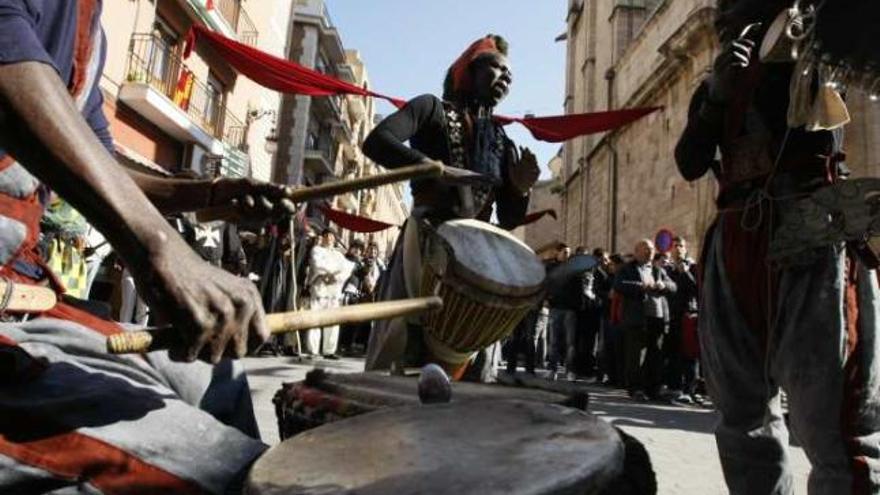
(520, 172)
(386, 144)
(42, 128)
(257, 200)
(696, 149)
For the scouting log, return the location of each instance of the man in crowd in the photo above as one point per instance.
(352, 293)
(73, 417)
(589, 318)
(681, 370)
(459, 131)
(564, 304)
(643, 287)
(328, 271)
(375, 268)
(808, 329)
(603, 283)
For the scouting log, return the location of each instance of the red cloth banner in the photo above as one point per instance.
(273, 72)
(559, 128)
(354, 223)
(288, 77)
(534, 217)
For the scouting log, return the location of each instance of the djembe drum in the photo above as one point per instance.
(507, 447)
(488, 280)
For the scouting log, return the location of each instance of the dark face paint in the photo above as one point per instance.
(491, 79)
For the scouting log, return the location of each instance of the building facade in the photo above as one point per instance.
(624, 185)
(320, 138)
(168, 114)
(545, 195)
(312, 129)
(383, 203)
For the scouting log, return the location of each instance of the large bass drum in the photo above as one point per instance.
(328, 397)
(488, 280)
(507, 447)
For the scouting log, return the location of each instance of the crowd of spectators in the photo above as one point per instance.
(626, 321)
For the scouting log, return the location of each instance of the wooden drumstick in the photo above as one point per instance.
(422, 171)
(163, 338)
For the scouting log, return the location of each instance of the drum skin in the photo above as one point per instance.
(491, 259)
(481, 447)
(326, 397)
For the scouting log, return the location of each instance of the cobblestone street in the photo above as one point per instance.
(678, 438)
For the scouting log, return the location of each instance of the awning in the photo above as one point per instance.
(132, 159)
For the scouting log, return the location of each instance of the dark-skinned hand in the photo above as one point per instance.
(729, 65)
(215, 313)
(256, 201)
(524, 173)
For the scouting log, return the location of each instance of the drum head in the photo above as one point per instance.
(492, 258)
(486, 447)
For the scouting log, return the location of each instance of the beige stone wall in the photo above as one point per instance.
(597, 208)
(544, 196)
(661, 65)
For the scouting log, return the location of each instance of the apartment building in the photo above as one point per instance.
(168, 114)
(320, 138)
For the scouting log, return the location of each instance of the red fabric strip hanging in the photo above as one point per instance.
(274, 72)
(354, 223)
(534, 217)
(561, 128)
(289, 77)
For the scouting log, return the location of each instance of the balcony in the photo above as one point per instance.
(318, 162)
(228, 17)
(235, 15)
(160, 87)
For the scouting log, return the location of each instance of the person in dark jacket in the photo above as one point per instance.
(564, 305)
(603, 282)
(353, 293)
(643, 287)
(681, 370)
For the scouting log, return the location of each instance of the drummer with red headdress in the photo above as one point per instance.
(460, 131)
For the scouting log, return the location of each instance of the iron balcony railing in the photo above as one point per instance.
(153, 61)
(234, 13)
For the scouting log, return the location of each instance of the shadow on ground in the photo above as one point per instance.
(620, 410)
